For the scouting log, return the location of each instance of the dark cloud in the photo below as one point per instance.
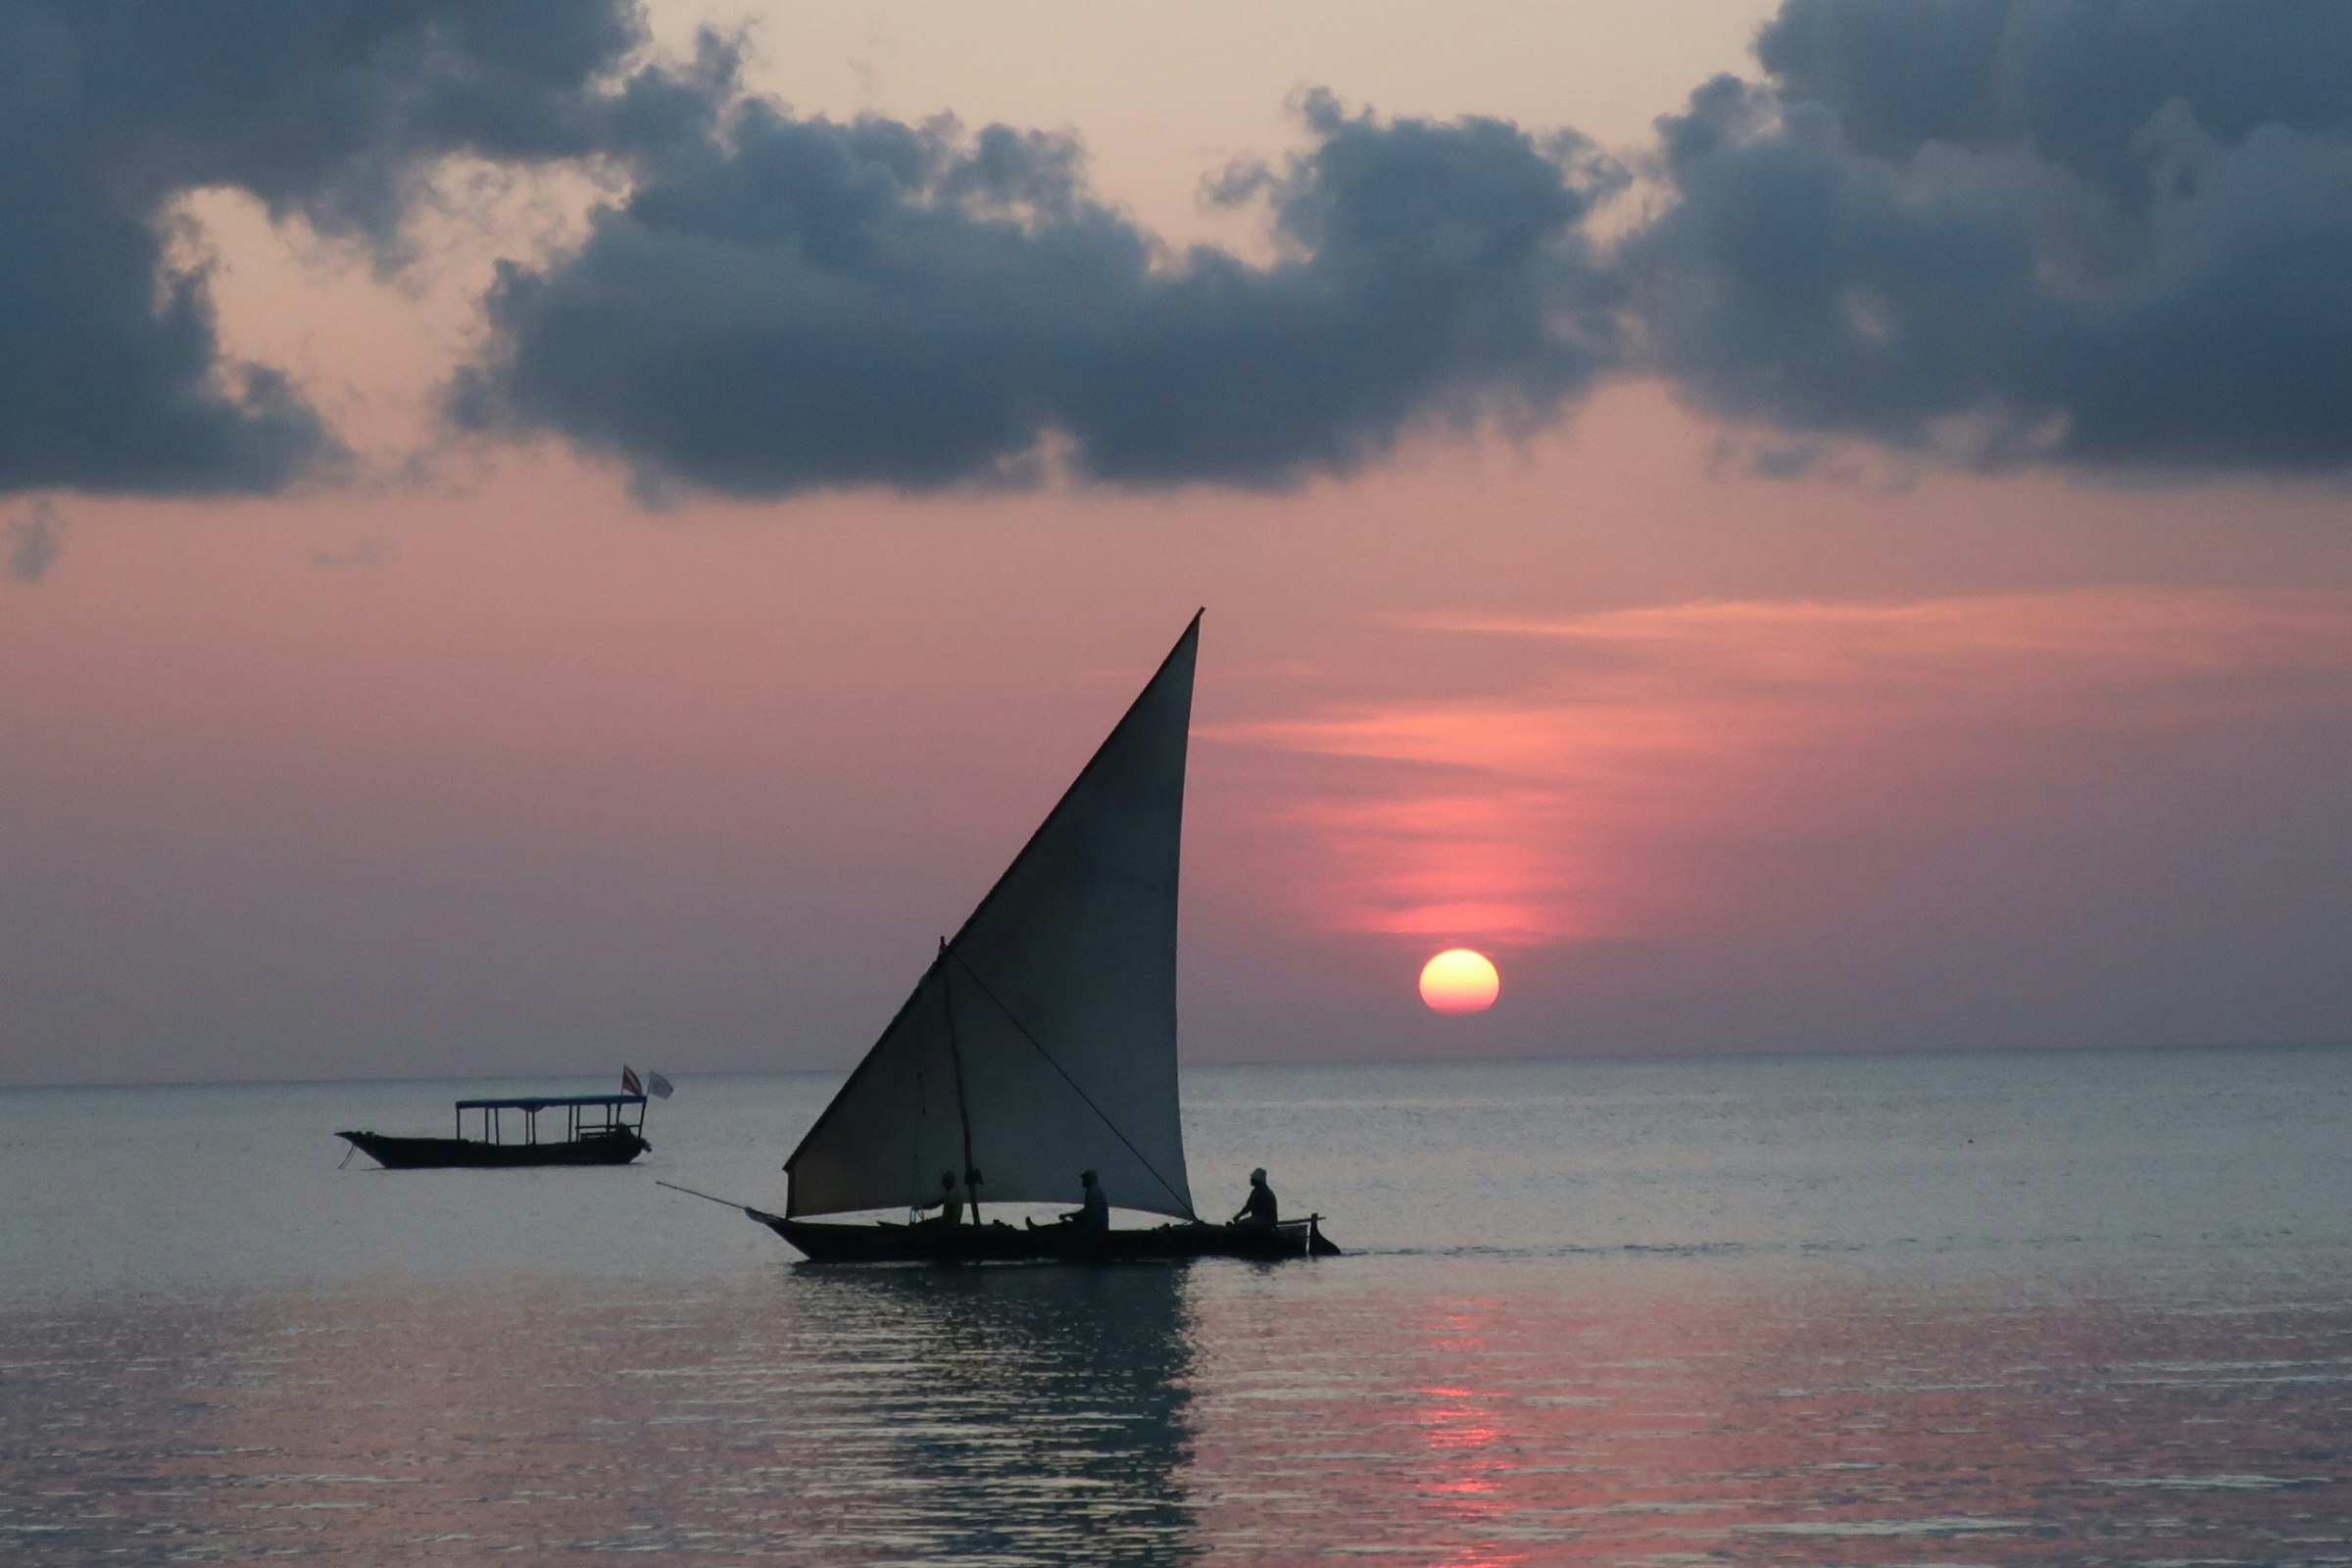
(2112, 233)
(2074, 82)
(111, 376)
(802, 303)
(32, 542)
(2109, 235)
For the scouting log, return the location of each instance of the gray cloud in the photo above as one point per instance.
(32, 542)
(2109, 235)
(111, 374)
(2074, 82)
(801, 303)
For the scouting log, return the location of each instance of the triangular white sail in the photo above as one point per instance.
(1042, 1038)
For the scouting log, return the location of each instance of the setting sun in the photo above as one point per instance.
(1459, 980)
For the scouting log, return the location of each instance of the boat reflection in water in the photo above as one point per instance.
(1513, 1413)
(1007, 1415)
(1011, 1414)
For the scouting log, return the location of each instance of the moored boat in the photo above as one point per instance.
(597, 1131)
(1038, 1043)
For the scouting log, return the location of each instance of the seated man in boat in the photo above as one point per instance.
(1260, 1212)
(950, 1200)
(1092, 1216)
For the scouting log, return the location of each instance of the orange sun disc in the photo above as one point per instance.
(1459, 980)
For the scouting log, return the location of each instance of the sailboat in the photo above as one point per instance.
(1040, 1044)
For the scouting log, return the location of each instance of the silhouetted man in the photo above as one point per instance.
(1090, 1221)
(1260, 1212)
(951, 1200)
(1093, 1219)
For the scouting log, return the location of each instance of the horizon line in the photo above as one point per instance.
(682, 1075)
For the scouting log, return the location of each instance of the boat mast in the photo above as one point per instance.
(963, 1110)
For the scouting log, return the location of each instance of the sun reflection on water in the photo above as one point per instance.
(1158, 1415)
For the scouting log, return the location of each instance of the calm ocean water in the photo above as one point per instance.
(2078, 1308)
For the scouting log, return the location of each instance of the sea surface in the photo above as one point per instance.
(1954, 1309)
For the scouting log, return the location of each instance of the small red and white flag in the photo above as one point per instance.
(628, 1080)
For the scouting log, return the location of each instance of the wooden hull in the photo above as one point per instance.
(1008, 1244)
(466, 1153)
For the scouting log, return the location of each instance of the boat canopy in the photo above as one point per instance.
(1042, 1040)
(542, 1102)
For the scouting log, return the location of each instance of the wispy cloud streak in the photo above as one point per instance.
(1645, 746)
(32, 542)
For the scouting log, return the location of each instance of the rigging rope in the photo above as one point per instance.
(1015, 1020)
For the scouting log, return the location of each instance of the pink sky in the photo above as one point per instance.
(501, 772)
(2029, 766)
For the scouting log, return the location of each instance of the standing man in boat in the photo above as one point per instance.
(1260, 1212)
(1093, 1219)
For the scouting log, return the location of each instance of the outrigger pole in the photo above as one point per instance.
(759, 1214)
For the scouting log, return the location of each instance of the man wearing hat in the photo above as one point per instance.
(1091, 1219)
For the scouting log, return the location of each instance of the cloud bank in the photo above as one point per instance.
(334, 111)
(801, 303)
(2107, 235)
